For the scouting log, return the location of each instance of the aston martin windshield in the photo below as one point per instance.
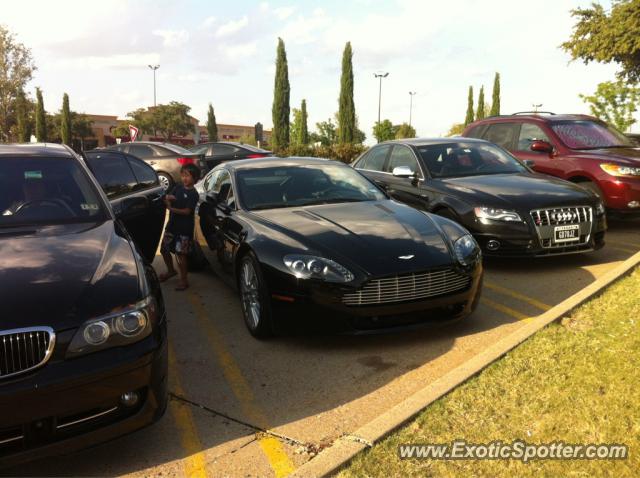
(468, 159)
(590, 135)
(45, 191)
(304, 185)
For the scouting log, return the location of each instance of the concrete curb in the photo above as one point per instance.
(332, 459)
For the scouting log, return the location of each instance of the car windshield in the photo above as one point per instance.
(46, 191)
(468, 159)
(175, 148)
(589, 135)
(303, 185)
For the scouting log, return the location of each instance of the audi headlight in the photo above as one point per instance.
(123, 327)
(618, 170)
(467, 250)
(314, 267)
(496, 214)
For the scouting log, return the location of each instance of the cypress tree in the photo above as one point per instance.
(469, 118)
(65, 121)
(347, 110)
(304, 131)
(495, 101)
(480, 112)
(23, 126)
(212, 126)
(41, 119)
(280, 109)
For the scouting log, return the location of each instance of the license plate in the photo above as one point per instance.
(566, 233)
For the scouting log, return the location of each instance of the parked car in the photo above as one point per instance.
(83, 331)
(165, 158)
(510, 210)
(635, 139)
(578, 148)
(314, 239)
(217, 152)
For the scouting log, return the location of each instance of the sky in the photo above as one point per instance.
(224, 53)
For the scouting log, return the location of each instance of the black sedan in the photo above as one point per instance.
(218, 152)
(509, 209)
(314, 240)
(83, 348)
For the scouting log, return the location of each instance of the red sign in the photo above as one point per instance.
(133, 132)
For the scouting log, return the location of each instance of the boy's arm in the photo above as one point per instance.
(181, 212)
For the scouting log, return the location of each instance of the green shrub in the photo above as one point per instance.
(345, 153)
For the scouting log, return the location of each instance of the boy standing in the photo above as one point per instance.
(178, 235)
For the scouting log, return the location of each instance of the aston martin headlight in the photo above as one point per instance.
(618, 170)
(314, 267)
(123, 327)
(467, 250)
(496, 214)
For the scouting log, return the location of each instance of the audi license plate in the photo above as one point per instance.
(566, 233)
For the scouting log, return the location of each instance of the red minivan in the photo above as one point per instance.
(578, 148)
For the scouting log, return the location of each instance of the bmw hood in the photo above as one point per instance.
(59, 276)
(378, 237)
(523, 191)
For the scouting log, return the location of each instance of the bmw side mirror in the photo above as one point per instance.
(403, 172)
(540, 146)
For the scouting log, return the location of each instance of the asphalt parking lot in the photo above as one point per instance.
(242, 407)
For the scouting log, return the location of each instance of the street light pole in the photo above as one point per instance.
(381, 76)
(411, 93)
(154, 68)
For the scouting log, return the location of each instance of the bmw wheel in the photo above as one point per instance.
(254, 296)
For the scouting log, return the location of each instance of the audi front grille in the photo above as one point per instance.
(408, 287)
(547, 220)
(22, 350)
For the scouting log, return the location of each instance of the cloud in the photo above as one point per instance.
(209, 22)
(245, 50)
(133, 61)
(284, 12)
(232, 26)
(172, 38)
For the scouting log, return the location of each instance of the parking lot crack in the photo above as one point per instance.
(357, 439)
(310, 448)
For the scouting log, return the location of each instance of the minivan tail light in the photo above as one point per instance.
(184, 161)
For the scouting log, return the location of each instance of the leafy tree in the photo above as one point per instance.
(248, 139)
(480, 113)
(608, 37)
(456, 129)
(212, 126)
(346, 109)
(280, 110)
(295, 126)
(303, 135)
(615, 103)
(469, 118)
(23, 126)
(65, 121)
(41, 118)
(16, 69)
(405, 131)
(168, 120)
(495, 99)
(327, 133)
(121, 130)
(81, 127)
(384, 131)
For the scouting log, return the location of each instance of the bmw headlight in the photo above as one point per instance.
(123, 327)
(314, 267)
(496, 214)
(467, 250)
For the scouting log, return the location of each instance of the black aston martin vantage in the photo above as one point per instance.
(509, 209)
(314, 240)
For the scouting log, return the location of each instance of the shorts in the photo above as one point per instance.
(176, 243)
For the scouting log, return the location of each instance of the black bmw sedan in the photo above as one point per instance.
(509, 209)
(314, 240)
(83, 348)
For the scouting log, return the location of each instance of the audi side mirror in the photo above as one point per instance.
(403, 172)
(541, 146)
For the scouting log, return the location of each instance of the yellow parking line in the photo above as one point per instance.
(271, 447)
(506, 310)
(633, 245)
(517, 295)
(194, 464)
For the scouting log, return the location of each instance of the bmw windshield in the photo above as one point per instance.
(291, 186)
(468, 159)
(46, 191)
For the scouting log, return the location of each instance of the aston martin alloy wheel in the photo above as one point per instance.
(254, 297)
